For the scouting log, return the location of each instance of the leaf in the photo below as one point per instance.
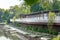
(31, 2)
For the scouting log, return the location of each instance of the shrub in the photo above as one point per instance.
(51, 17)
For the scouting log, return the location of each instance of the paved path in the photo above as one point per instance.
(20, 31)
(12, 28)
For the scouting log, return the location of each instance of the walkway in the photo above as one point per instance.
(17, 30)
(22, 35)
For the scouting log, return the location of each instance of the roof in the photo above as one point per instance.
(40, 12)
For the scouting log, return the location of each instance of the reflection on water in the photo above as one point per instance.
(7, 36)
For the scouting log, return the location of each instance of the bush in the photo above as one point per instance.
(41, 30)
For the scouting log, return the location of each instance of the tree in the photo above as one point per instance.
(1, 13)
(30, 2)
(45, 4)
(56, 4)
(51, 18)
(6, 16)
(36, 7)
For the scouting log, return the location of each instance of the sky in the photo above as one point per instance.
(5, 4)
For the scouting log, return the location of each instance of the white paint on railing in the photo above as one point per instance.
(37, 19)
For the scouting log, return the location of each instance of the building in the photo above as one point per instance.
(39, 18)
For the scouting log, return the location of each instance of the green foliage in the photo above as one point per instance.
(56, 4)
(16, 10)
(41, 30)
(6, 16)
(25, 9)
(56, 38)
(36, 7)
(16, 24)
(31, 2)
(45, 4)
(51, 18)
(54, 32)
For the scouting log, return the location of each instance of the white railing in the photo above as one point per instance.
(37, 19)
(42, 18)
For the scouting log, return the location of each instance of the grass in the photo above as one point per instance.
(56, 38)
